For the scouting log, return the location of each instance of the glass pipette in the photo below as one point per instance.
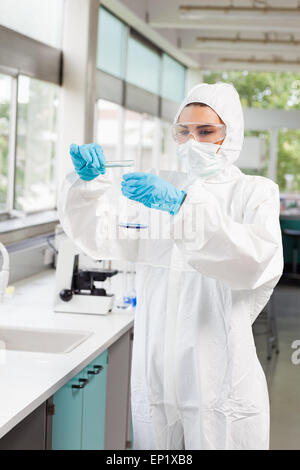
(118, 163)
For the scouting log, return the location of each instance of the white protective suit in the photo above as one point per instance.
(196, 380)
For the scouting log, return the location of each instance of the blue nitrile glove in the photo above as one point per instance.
(88, 160)
(152, 191)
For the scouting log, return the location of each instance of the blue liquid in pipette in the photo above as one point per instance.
(134, 226)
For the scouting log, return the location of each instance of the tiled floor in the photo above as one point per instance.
(282, 375)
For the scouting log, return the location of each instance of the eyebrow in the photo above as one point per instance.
(198, 127)
(205, 125)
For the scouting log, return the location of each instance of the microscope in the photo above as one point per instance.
(77, 288)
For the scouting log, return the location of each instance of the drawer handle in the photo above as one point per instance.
(78, 385)
(97, 370)
(82, 383)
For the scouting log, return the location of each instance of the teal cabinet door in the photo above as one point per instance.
(94, 404)
(67, 420)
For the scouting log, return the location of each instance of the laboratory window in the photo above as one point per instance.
(143, 66)
(35, 179)
(148, 145)
(111, 44)
(254, 157)
(109, 128)
(128, 135)
(5, 138)
(288, 167)
(168, 157)
(132, 135)
(173, 79)
(139, 139)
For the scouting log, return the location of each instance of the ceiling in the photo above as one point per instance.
(228, 34)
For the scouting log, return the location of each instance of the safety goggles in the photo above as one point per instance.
(202, 132)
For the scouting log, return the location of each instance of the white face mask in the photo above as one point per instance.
(200, 158)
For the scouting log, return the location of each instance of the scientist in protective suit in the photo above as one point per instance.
(196, 380)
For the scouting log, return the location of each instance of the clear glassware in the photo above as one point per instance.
(132, 215)
(127, 299)
(131, 284)
(119, 163)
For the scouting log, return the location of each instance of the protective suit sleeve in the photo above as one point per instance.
(88, 212)
(244, 255)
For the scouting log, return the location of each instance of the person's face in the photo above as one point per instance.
(204, 114)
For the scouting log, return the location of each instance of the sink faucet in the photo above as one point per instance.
(4, 273)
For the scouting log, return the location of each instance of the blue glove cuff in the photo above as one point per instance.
(176, 207)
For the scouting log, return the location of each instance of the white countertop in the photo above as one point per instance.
(28, 379)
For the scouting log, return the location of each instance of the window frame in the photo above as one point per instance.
(41, 62)
(159, 125)
(119, 90)
(8, 211)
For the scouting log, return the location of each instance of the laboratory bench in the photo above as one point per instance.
(290, 226)
(290, 220)
(73, 400)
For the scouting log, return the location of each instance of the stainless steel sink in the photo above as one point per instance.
(41, 340)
